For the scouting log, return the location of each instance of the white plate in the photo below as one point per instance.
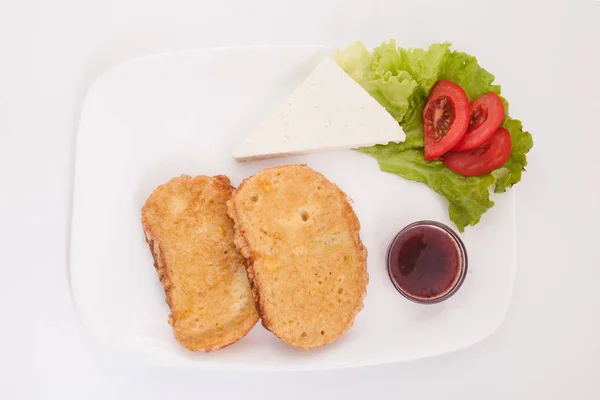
(157, 117)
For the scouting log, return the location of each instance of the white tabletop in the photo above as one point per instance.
(548, 346)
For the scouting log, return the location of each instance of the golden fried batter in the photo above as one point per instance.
(305, 257)
(203, 274)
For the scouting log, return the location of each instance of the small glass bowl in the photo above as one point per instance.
(463, 263)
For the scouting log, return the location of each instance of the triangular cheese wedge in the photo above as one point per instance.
(328, 111)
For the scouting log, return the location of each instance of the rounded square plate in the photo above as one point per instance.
(154, 118)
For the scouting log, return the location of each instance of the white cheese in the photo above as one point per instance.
(328, 111)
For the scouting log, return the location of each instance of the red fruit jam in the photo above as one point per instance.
(427, 262)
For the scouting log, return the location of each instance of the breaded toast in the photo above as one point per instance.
(205, 280)
(305, 257)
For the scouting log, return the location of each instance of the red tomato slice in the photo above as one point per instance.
(487, 113)
(490, 155)
(446, 118)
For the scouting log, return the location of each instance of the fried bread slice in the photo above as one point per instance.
(305, 257)
(205, 280)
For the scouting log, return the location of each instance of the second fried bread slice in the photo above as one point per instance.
(305, 257)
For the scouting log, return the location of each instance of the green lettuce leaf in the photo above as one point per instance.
(468, 197)
(510, 173)
(401, 79)
(425, 65)
(411, 142)
(464, 70)
(357, 62)
(381, 76)
(394, 93)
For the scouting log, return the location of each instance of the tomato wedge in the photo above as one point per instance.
(478, 161)
(487, 113)
(445, 117)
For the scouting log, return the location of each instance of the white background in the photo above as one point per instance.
(546, 54)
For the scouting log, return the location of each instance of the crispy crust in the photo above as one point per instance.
(269, 318)
(174, 233)
(246, 251)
